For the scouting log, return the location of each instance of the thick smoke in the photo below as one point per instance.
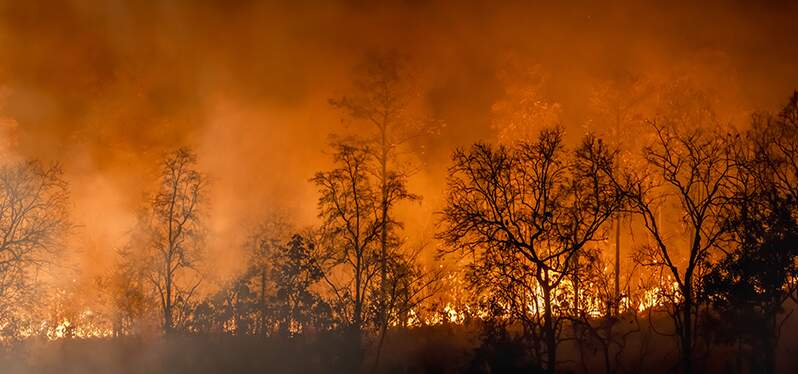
(106, 87)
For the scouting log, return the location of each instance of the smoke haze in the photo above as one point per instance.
(106, 87)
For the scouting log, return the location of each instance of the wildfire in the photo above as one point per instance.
(83, 327)
(591, 303)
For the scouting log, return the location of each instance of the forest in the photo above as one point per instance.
(648, 223)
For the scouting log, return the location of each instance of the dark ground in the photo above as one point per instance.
(438, 349)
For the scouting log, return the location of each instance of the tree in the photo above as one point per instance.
(235, 308)
(173, 232)
(775, 142)
(351, 225)
(125, 289)
(758, 271)
(524, 212)
(282, 299)
(33, 221)
(265, 244)
(689, 167)
(298, 308)
(383, 98)
(751, 283)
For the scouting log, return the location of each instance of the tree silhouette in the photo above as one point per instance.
(524, 212)
(173, 232)
(33, 221)
(265, 244)
(758, 271)
(350, 211)
(384, 97)
(298, 308)
(691, 168)
(126, 290)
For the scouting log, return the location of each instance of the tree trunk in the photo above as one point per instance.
(383, 312)
(617, 297)
(167, 309)
(576, 284)
(358, 312)
(687, 332)
(770, 343)
(548, 331)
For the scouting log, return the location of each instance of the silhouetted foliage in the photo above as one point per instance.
(759, 270)
(524, 213)
(499, 351)
(297, 307)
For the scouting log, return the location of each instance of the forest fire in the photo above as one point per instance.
(398, 187)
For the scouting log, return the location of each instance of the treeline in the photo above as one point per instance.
(529, 220)
(718, 209)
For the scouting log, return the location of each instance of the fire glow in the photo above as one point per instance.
(398, 186)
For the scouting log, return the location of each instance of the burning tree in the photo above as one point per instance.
(524, 212)
(33, 220)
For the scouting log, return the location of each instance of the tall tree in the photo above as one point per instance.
(383, 96)
(351, 225)
(689, 167)
(173, 235)
(524, 212)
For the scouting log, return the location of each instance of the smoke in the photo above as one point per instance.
(106, 87)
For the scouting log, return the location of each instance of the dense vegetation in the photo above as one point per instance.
(525, 278)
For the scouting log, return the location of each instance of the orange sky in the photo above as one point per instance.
(105, 87)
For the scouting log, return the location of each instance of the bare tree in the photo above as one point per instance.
(350, 210)
(174, 231)
(383, 97)
(775, 141)
(33, 222)
(524, 212)
(690, 168)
